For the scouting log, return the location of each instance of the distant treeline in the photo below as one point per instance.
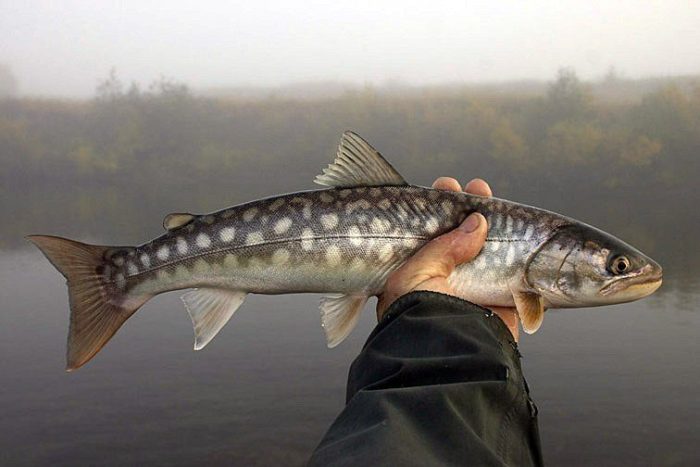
(165, 145)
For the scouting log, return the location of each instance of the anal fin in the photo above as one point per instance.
(530, 309)
(210, 309)
(339, 315)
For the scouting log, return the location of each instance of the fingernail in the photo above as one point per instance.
(471, 223)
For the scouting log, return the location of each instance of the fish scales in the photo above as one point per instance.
(257, 246)
(343, 241)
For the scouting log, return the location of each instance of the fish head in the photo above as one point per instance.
(582, 266)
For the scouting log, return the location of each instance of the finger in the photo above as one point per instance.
(439, 257)
(447, 184)
(478, 187)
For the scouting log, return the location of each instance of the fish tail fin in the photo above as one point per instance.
(98, 309)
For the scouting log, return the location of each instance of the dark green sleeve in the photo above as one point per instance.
(437, 383)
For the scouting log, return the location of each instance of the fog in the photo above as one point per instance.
(65, 48)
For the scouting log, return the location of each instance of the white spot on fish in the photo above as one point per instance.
(118, 261)
(385, 252)
(497, 220)
(182, 246)
(276, 204)
(410, 242)
(208, 219)
(344, 193)
(447, 207)
(280, 256)
(333, 255)
(163, 253)
(375, 192)
(509, 225)
(203, 240)
(495, 245)
(519, 225)
(357, 263)
(362, 218)
(250, 214)
(384, 204)
(377, 225)
(282, 225)
(307, 237)
(529, 231)
(329, 221)
(355, 235)
(264, 219)
(228, 213)
(254, 238)
(227, 234)
(145, 259)
(306, 212)
(510, 256)
(131, 268)
(431, 225)
(325, 197)
(120, 280)
(415, 221)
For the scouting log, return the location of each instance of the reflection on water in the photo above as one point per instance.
(615, 385)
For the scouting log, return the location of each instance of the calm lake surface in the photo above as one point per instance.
(615, 385)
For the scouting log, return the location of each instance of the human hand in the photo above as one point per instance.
(431, 266)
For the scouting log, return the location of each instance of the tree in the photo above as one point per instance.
(567, 98)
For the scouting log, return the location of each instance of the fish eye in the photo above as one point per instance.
(619, 264)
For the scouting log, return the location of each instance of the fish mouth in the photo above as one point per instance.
(644, 283)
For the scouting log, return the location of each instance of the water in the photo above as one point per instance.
(615, 385)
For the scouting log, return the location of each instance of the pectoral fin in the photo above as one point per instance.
(530, 309)
(339, 315)
(210, 309)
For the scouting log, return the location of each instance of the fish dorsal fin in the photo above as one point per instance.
(176, 220)
(530, 309)
(210, 309)
(358, 164)
(339, 315)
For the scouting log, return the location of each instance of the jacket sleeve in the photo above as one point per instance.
(437, 383)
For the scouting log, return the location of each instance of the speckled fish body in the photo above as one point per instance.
(344, 240)
(338, 240)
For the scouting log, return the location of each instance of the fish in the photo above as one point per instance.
(343, 241)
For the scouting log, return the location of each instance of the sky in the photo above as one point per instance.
(65, 48)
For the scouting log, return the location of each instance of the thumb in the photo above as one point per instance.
(444, 253)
